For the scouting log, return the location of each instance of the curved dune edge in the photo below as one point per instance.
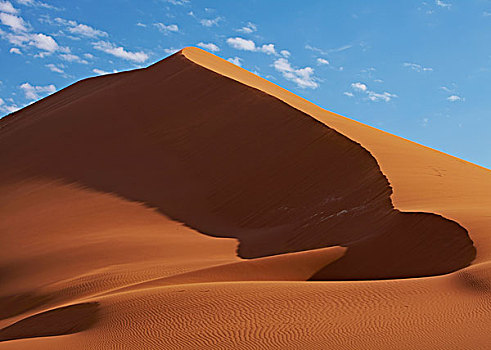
(273, 187)
(439, 183)
(60, 321)
(300, 266)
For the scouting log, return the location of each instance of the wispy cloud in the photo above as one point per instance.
(328, 51)
(322, 61)
(35, 3)
(178, 2)
(384, 96)
(417, 67)
(73, 58)
(119, 51)
(249, 45)
(210, 22)
(209, 46)
(303, 77)
(56, 68)
(15, 50)
(248, 28)
(236, 60)
(81, 29)
(349, 94)
(371, 95)
(33, 92)
(443, 4)
(7, 108)
(171, 50)
(166, 28)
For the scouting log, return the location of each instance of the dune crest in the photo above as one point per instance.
(232, 161)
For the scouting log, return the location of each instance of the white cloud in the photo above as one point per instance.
(371, 95)
(54, 68)
(285, 53)
(417, 67)
(39, 40)
(81, 29)
(16, 51)
(248, 29)
(303, 77)
(15, 23)
(102, 72)
(359, 86)
(322, 61)
(89, 56)
(6, 6)
(209, 46)
(119, 51)
(34, 92)
(139, 24)
(88, 31)
(455, 98)
(73, 58)
(44, 42)
(443, 4)
(241, 44)
(166, 28)
(268, 49)
(236, 60)
(21, 36)
(210, 22)
(249, 45)
(347, 93)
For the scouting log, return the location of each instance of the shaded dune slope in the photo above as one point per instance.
(61, 321)
(230, 161)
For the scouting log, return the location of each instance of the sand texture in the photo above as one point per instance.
(195, 205)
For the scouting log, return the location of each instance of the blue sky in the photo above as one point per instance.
(418, 69)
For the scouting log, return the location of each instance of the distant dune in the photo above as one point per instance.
(195, 205)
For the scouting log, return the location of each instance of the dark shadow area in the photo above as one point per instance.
(230, 161)
(64, 320)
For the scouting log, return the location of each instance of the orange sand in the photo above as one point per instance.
(90, 259)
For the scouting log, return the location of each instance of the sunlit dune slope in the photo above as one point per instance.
(185, 206)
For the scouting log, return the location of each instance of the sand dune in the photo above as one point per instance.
(185, 205)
